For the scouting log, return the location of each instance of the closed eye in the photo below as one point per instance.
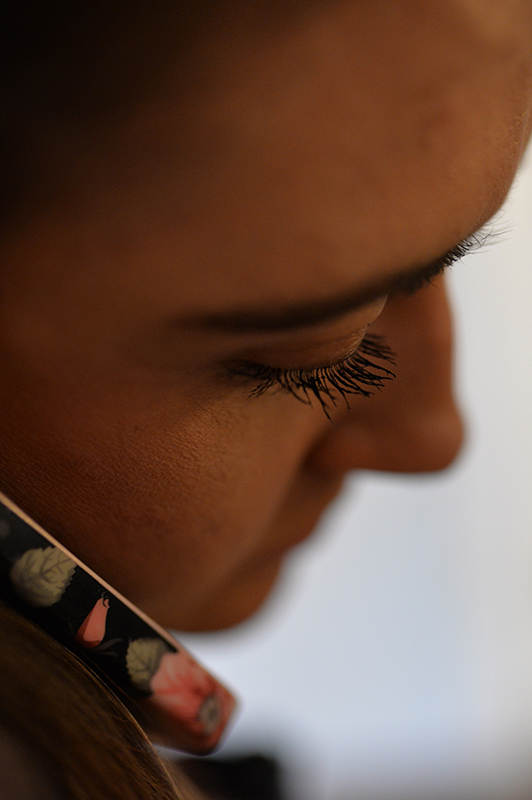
(357, 374)
(477, 241)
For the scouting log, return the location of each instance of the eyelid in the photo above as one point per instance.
(319, 346)
(477, 241)
(355, 374)
(310, 355)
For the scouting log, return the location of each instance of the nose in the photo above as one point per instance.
(413, 424)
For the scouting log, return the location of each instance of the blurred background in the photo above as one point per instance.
(395, 659)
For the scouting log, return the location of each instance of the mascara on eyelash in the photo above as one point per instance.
(356, 372)
(484, 237)
(354, 375)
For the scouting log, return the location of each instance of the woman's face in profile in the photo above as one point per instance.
(207, 255)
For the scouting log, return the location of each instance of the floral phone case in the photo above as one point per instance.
(46, 583)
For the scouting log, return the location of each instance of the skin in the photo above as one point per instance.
(361, 141)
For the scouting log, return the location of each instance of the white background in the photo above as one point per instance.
(395, 659)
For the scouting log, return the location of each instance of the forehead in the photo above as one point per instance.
(360, 139)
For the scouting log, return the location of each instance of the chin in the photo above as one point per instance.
(239, 600)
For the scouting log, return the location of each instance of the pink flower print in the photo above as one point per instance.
(190, 695)
(92, 629)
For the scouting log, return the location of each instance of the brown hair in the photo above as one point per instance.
(70, 71)
(67, 67)
(90, 744)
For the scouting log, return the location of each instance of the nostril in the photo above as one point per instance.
(423, 440)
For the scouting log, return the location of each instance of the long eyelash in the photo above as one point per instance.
(356, 374)
(477, 241)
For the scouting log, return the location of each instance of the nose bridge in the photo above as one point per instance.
(413, 424)
(419, 329)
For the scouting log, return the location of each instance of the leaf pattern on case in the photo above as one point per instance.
(142, 660)
(41, 575)
(122, 646)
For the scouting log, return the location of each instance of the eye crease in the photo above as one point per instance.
(356, 374)
(251, 320)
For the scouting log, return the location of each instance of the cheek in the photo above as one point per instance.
(158, 495)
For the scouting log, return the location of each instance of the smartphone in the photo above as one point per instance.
(171, 694)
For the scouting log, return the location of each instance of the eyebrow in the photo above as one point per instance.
(301, 315)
